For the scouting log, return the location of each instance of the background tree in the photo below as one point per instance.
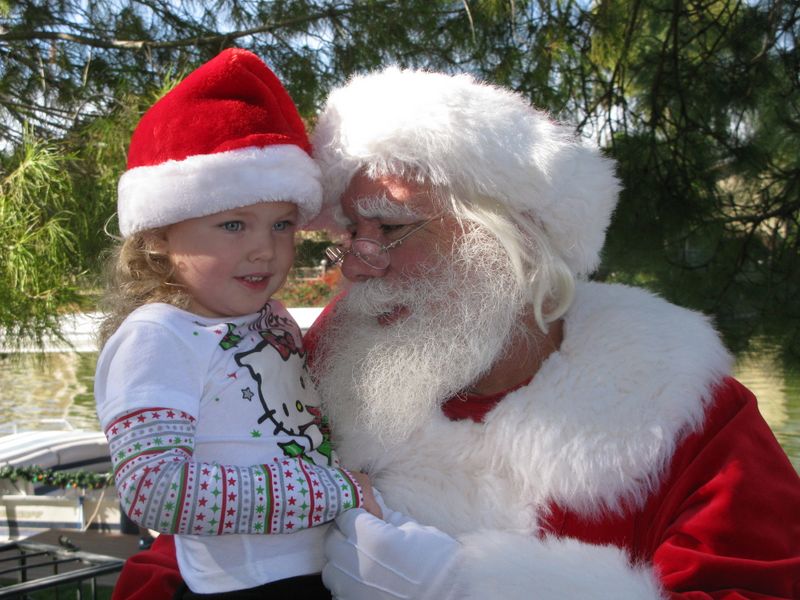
(697, 99)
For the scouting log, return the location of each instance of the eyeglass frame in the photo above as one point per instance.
(336, 253)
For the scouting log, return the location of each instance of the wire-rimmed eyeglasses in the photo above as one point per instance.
(371, 252)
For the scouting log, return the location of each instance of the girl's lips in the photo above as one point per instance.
(397, 313)
(255, 282)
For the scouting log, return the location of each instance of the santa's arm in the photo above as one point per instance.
(724, 524)
(727, 523)
(161, 487)
(369, 559)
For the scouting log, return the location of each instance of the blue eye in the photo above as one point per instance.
(283, 225)
(232, 226)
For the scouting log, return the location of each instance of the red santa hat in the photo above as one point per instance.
(476, 140)
(227, 136)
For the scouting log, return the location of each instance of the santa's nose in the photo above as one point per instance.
(357, 270)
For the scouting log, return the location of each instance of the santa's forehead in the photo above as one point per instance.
(367, 192)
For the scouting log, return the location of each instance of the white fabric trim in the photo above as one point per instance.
(516, 566)
(200, 185)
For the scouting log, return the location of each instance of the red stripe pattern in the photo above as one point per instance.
(162, 488)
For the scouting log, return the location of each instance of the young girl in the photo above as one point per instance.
(201, 384)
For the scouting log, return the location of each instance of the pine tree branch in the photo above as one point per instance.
(95, 42)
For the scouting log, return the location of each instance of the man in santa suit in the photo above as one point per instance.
(534, 434)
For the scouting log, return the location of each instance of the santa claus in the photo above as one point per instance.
(538, 435)
(534, 434)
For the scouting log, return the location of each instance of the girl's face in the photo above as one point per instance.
(233, 261)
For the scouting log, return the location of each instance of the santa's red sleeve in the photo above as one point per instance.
(728, 523)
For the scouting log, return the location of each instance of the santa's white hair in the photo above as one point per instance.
(489, 157)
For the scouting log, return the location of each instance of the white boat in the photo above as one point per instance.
(30, 507)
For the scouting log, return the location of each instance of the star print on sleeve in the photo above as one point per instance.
(162, 488)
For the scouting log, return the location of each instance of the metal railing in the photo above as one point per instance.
(37, 567)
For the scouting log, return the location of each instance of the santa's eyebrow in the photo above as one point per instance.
(380, 207)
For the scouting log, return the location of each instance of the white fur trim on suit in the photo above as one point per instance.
(603, 416)
(200, 185)
(511, 566)
(475, 140)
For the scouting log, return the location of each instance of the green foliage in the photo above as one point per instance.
(697, 101)
(309, 254)
(63, 479)
(704, 129)
(99, 148)
(310, 249)
(301, 292)
(40, 215)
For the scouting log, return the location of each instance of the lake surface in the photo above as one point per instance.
(59, 386)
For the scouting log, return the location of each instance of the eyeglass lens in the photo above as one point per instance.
(368, 251)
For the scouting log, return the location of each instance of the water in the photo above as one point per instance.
(59, 385)
(56, 385)
(777, 387)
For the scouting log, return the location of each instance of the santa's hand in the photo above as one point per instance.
(370, 559)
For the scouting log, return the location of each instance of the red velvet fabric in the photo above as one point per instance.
(232, 101)
(475, 407)
(724, 519)
(151, 574)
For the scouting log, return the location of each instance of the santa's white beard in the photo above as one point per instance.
(386, 380)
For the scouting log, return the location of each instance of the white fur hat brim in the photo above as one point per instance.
(473, 139)
(200, 185)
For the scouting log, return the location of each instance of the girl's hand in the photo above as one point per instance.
(370, 503)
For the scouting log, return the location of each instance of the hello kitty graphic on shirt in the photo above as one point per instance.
(297, 414)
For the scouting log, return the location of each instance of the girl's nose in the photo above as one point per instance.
(263, 248)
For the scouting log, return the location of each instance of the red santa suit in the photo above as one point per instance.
(631, 466)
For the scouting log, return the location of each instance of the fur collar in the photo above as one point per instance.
(602, 417)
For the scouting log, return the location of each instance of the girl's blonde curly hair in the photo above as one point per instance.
(137, 273)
